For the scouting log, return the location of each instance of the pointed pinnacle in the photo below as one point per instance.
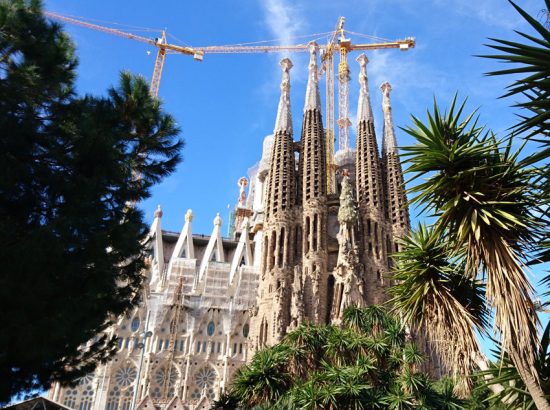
(313, 96)
(390, 142)
(284, 113)
(364, 109)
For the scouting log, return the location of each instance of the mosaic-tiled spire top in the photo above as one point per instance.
(364, 109)
(390, 142)
(313, 96)
(284, 112)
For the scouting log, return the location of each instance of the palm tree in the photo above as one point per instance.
(433, 293)
(367, 363)
(478, 190)
(266, 379)
(504, 374)
(531, 59)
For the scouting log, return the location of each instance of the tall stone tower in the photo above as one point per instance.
(314, 201)
(396, 201)
(321, 252)
(281, 227)
(370, 196)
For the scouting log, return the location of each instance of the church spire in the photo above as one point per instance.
(282, 180)
(390, 143)
(396, 199)
(370, 193)
(280, 229)
(368, 169)
(364, 109)
(313, 165)
(284, 112)
(313, 97)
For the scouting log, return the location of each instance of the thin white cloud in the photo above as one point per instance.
(490, 12)
(285, 22)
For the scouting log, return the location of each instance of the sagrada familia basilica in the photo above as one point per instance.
(297, 254)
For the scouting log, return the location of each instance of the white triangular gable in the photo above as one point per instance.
(214, 249)
(243, 250)
(184, 246)
(175, 404)
(146, 404)
(204, 403)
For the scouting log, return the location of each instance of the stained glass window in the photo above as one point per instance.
(205, 377)
(135, 324)
(161, 374)
(126, 375)
(210, 329)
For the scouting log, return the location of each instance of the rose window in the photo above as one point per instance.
(125, 376)
(205, 377)
(86, 379)
(160, 376)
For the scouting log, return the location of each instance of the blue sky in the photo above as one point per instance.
(227, 104)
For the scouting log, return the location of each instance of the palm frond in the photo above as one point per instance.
(530, 59)
(433, 293)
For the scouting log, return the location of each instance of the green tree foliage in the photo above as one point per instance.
(367, 363)
(504, 375)
(528, 64)
(71, 244)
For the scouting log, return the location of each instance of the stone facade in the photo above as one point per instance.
(323, 252)
(297, 254)
(182, 345)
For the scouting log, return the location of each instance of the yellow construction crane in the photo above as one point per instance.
(337, 43)
(159, 42)
(327, 66)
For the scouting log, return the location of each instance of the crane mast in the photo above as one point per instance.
(329, 134)
(343, 87)
(327, 66)
(159, 65)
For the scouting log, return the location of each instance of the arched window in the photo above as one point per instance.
(159, 378)
(246, 330)
(204, 379)
(113, 398)
(70, 398)
(210, 328)
(126, 399)
(125, 375)
(135, 324)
